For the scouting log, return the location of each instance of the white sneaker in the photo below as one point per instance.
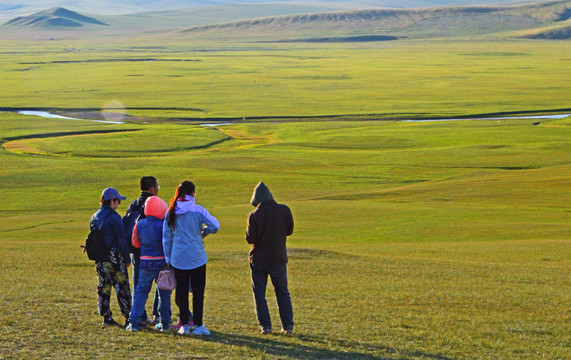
(200, 330)
(184, 330)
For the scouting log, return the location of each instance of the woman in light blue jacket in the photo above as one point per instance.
(185, 226)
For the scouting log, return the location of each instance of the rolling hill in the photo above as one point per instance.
(551, 16)
(53, 18)
(61, 19)
(197, 16)
(557, 32)
(10, 9)
(290, 22)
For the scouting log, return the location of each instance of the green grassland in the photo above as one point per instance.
(437, 240)
(194, 80)
(413, 240)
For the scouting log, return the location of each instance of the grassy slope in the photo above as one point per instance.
(426, 22)
(169, 20)
(413, 241)
(560, 31)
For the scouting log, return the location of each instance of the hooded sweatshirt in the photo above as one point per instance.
(183, 245)
(268, 227)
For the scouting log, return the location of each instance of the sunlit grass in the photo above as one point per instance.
(125, 141)
(412, 240)
(439, 240)
(244, 80)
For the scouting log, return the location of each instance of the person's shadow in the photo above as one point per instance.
(313, 347)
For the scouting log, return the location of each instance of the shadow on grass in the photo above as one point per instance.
(313, 347)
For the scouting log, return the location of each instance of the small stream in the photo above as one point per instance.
(46, 114)
(560, 116)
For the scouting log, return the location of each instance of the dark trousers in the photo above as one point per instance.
(196, 278)
(278, 275)
(136, 261)
(113, 274)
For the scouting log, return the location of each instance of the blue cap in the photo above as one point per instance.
(110, 194)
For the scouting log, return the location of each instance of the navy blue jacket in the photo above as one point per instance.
(112, 230)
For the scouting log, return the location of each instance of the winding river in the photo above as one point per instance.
(45, 114)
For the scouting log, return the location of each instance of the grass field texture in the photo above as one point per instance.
(436, 240)
(188, 79)
(413, 240)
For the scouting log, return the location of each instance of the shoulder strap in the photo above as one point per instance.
(141, 214)
(103, 222)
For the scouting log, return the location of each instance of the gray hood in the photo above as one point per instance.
(261, 194)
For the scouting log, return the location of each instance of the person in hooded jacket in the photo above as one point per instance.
(267, 229)
(148, 237)
(185, 226)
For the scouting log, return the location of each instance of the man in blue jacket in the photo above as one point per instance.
(112, 272)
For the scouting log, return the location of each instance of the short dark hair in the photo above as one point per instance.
(147, 182)
(106, 202)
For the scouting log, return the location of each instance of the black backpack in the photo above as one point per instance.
(95, 245)
(129, 222)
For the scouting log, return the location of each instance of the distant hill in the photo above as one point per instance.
(289, 22)
(182, 18)
(557, 32)
(155, 21)
(13, 8)
(56, 17)
(420, 23)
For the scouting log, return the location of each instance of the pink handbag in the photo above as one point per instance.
(166, 280)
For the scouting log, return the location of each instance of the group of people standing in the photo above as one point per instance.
(154, 236)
